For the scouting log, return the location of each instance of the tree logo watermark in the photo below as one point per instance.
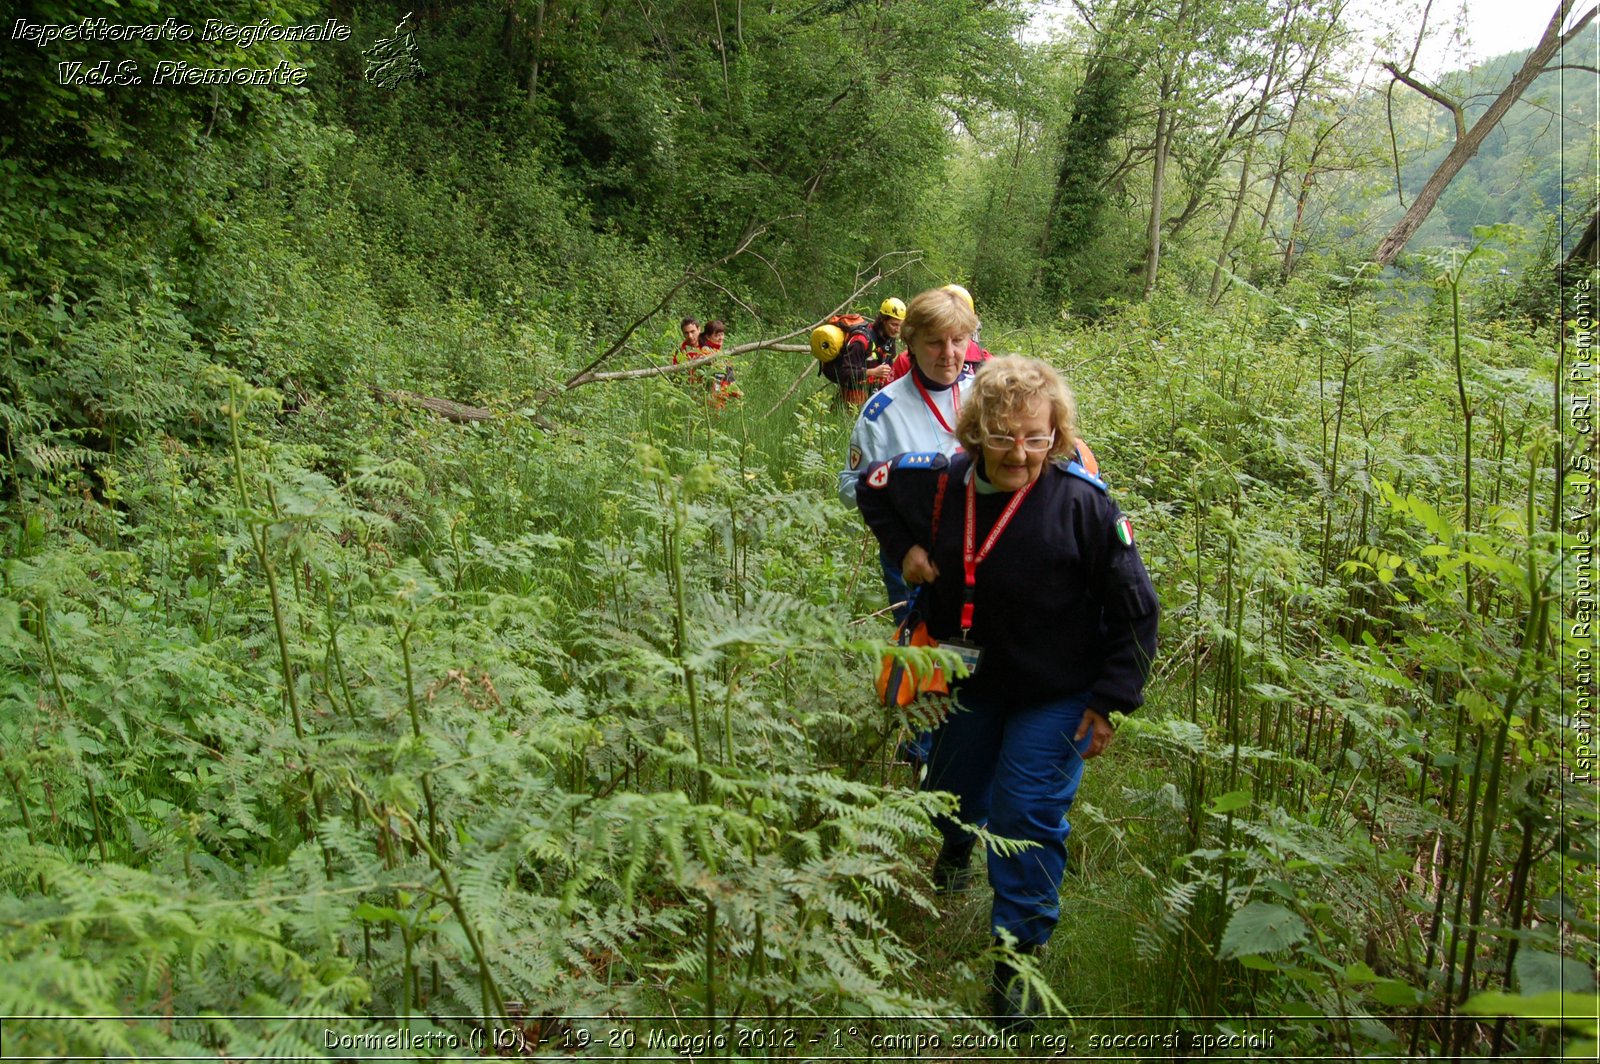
(394, 59)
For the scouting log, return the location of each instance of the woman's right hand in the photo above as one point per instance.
(917, 567)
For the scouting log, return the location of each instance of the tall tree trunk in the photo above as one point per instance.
(1268, 88)
(1233, 220)
(1468, 143)
(1306, 183)
(538, 44)
(1200, 177)
(1152, 258)
(1313, 63)
(1172, 83)
(1587, 249)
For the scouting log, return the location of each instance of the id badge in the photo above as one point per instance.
(971, 654)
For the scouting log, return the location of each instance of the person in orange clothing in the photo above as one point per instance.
(690, 348)
(722, 386)
(867, 349)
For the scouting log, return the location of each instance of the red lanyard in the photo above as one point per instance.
(972, 560)
(955, 397)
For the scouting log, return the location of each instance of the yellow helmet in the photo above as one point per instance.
(893, 308)
(966, 296)
(826, 342)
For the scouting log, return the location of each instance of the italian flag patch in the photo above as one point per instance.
(1125, 531)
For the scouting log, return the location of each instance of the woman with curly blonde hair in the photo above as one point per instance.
(1029, 571)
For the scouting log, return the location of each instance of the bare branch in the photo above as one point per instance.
(449, 409)
(1467, 146)
(688, 275)
(1578, 25)
(776, 343)
(777, 276)
(686, 366)
(807, 372)
(747, 308)
(1422, 30)
(1394, 144)
(1388, 102)
(1450, 103)
(1086, 13)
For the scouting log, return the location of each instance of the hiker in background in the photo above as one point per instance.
(1030, 573)
(690, 348)
(711, 339)
(975, 353)
(975, 357)
(855, 353)
(722, 385)
(886, 331)
(918, 412)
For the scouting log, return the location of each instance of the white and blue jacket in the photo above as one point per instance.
(896, 421)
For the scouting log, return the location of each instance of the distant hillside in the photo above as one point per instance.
(1542, 151)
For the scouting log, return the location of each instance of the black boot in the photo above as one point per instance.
(1014, 1009)
(952, 869)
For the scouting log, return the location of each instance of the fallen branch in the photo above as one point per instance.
(686, 366)
(582, 376)
(589, 376)
(805, 373)
(449, 409)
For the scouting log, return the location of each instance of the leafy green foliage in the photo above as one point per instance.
(1260, 927)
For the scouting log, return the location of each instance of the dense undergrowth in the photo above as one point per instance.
(312, 703)
(338, 708)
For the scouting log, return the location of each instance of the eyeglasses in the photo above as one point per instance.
(1031, 444)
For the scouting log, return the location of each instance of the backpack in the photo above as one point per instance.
(850, 325)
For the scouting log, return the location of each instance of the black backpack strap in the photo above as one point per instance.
(933, 534)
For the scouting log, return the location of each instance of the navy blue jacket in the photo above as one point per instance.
(1062, 605)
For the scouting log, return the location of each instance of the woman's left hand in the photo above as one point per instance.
(1099, 730)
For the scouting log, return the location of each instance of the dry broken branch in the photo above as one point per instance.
(784, 398)
(449, 409)
(879, 273)
(583, 374)
(1466, 146)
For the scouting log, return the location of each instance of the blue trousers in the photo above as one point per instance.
(1015, 770)
(894, 585)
